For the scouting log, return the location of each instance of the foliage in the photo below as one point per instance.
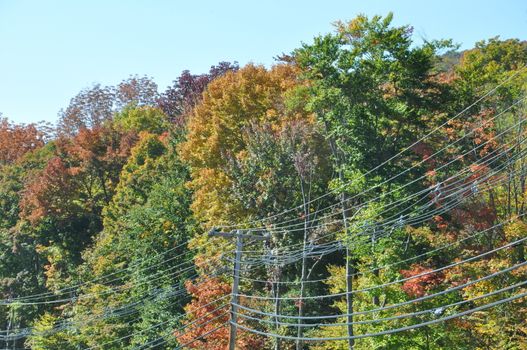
(17, 140)
(350, 149)
(231, 103)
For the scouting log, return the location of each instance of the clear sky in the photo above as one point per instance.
(50, 50)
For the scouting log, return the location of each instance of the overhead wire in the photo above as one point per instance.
(391, 306)
(278, 228)
(381, 232)
(398, 262)
(389, 331)
(362, 290)
(398, 316)
(437, 128)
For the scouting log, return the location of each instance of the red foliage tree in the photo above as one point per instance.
(80, 179)
(205, 315)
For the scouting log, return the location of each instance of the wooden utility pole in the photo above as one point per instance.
(240, 235)
(349, 274)
(350, 268)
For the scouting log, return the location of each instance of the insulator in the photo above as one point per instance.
(400, 222)
(437, 192)
(438, 311)
(474, 188)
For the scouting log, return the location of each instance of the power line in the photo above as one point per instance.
(390, 331)
(437, 309)
(391, 158)
(277, 226)
(399, 262)
(392, 306)
(508, 245)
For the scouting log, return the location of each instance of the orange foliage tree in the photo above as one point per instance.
(17, 140)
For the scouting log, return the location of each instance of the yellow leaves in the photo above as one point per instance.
(337, 282)
(251, 96)
(210, 187)
(167, 226)
(353, 28)
(520, 272)
(230, 103)
(145, 234)
(103, 264)
(515, 230)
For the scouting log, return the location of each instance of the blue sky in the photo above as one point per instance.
(50, 50)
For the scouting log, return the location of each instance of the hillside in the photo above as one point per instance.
(363, 193)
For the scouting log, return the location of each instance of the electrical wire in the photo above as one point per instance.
(438, 309)
(278, 228)
(391, 306)
(388, 160)
(390, 331)
(399, 262)
(362, 290)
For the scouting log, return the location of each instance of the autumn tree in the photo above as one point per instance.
(90, 108)
(180, 98)
(94, 107)
(206, 326)
(18, 139)
(137, 91)
(143, 246)
(231, 103)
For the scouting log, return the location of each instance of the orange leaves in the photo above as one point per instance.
(49, 193)
(17, 140)
(440, 222)
(99, 145)
(478, 171)
(204, 315)
(81, 177)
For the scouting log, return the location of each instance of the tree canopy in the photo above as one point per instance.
(384, 180)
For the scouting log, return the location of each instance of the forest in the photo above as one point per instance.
(367, 191)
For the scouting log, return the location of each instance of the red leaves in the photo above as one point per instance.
(423, 149)
(419, 286)
(204, 314)
(441, 223)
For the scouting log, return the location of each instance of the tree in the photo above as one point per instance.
(231, 103)
(137, 91)
(90, 108)
(138, 119)
(17, 140)
(142, 245)
(94, 107)
(205, 316)
(186, 92)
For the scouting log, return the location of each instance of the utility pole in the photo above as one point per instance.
(350, 268)
(240, 235)
(349, 274)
